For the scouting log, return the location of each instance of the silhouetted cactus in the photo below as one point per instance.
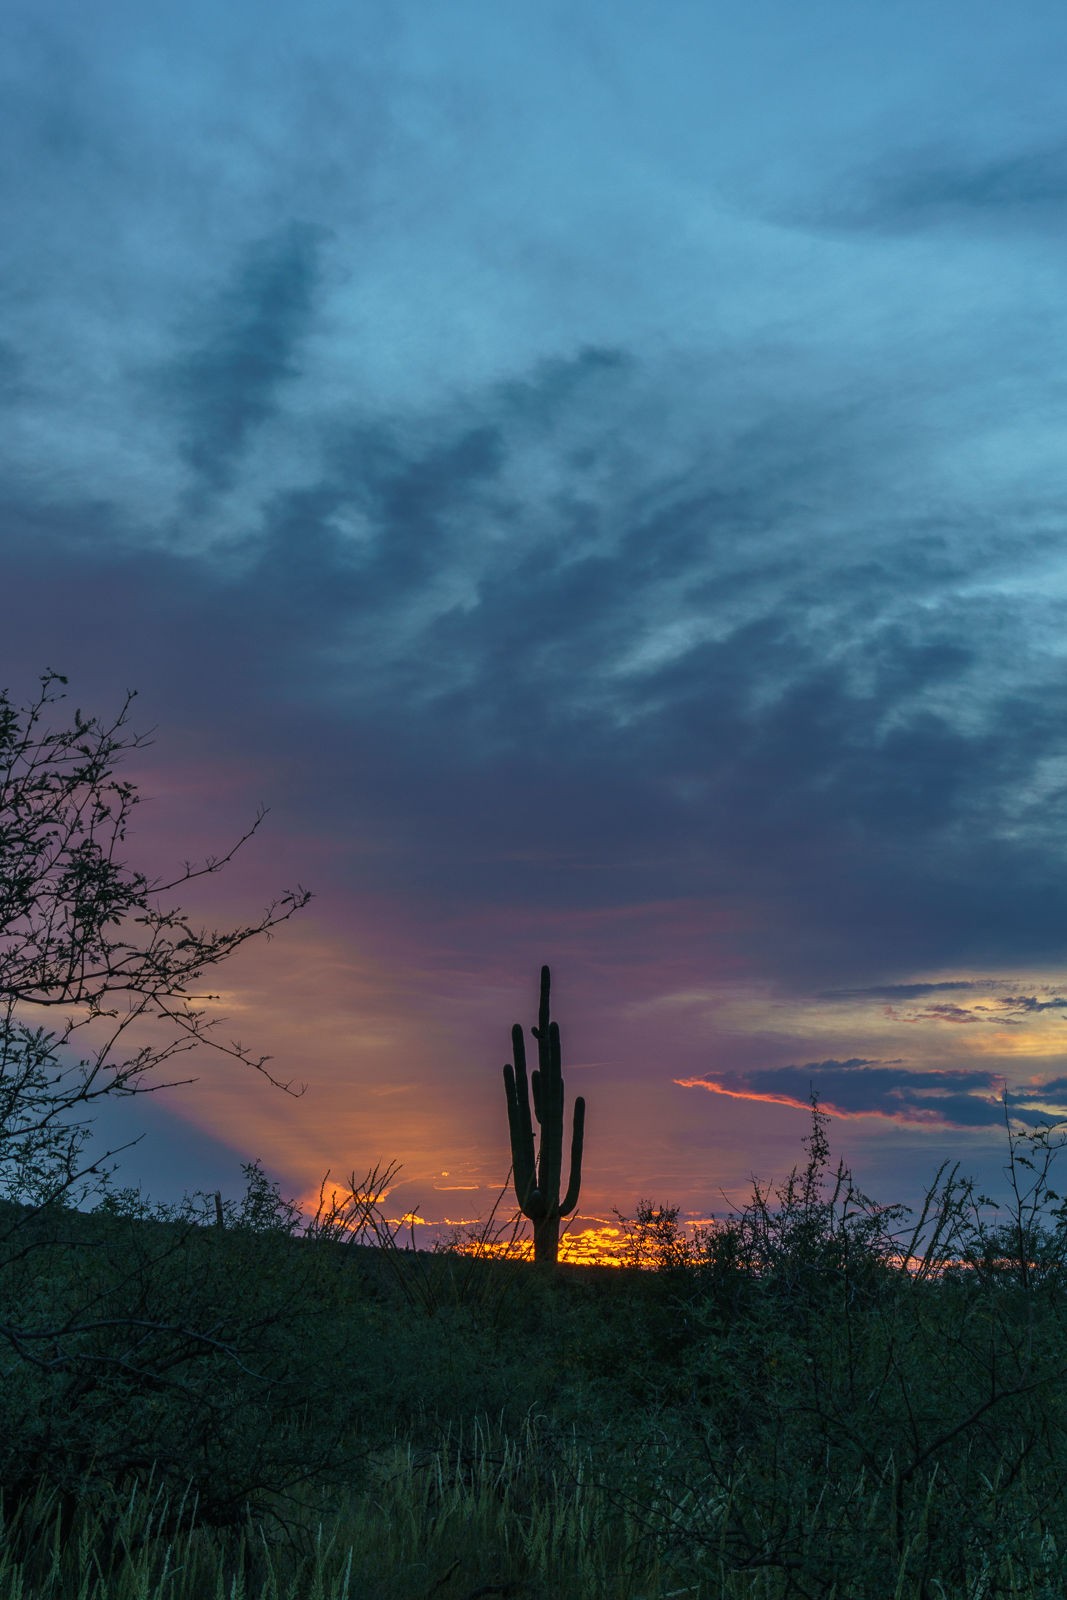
(537, 1188)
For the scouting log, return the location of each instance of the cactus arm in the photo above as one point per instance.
(522, 1160)
(518, 1046)
(535, 1079)
(514, 1125)
(531, 1200)
(577, 1142)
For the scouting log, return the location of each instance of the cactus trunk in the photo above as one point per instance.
(546, 1241)
(537, 1181)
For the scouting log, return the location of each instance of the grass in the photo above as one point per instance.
(481, 1515)
(477, 1514)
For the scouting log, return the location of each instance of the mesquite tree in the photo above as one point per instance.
(91, 940)
(137, 1344)
(537, 1187)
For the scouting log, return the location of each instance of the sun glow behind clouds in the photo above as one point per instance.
(407, 1065)
(597, 1244)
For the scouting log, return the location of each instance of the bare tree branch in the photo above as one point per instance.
(83, 931)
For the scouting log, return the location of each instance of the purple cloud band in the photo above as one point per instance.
(960, 1098)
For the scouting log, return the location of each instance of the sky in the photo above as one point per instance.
(598, 475)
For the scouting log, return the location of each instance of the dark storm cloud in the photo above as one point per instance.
(997, 1009)
(11, 365)
(562, 667)
(1053, 1091)
(1030, 1003)
(230, 383)
(956, 1099)
(937, 186)
(517, 597)
(894, 991)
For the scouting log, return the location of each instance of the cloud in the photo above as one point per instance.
(860, 1088)
(957, 1014)
(1000, 1010)
(633, 671)
(1052, 1091)
(939, 185)
(226, 386)
(1030, 1003)
(745, 597)
(1007, 1010)
(895, 991)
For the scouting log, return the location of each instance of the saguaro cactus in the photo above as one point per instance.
(537, 1187)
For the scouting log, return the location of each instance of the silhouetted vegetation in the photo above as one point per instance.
(816, 1397)
(94, 943)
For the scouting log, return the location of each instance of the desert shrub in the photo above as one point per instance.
(848, 1396)
(142, 1342)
